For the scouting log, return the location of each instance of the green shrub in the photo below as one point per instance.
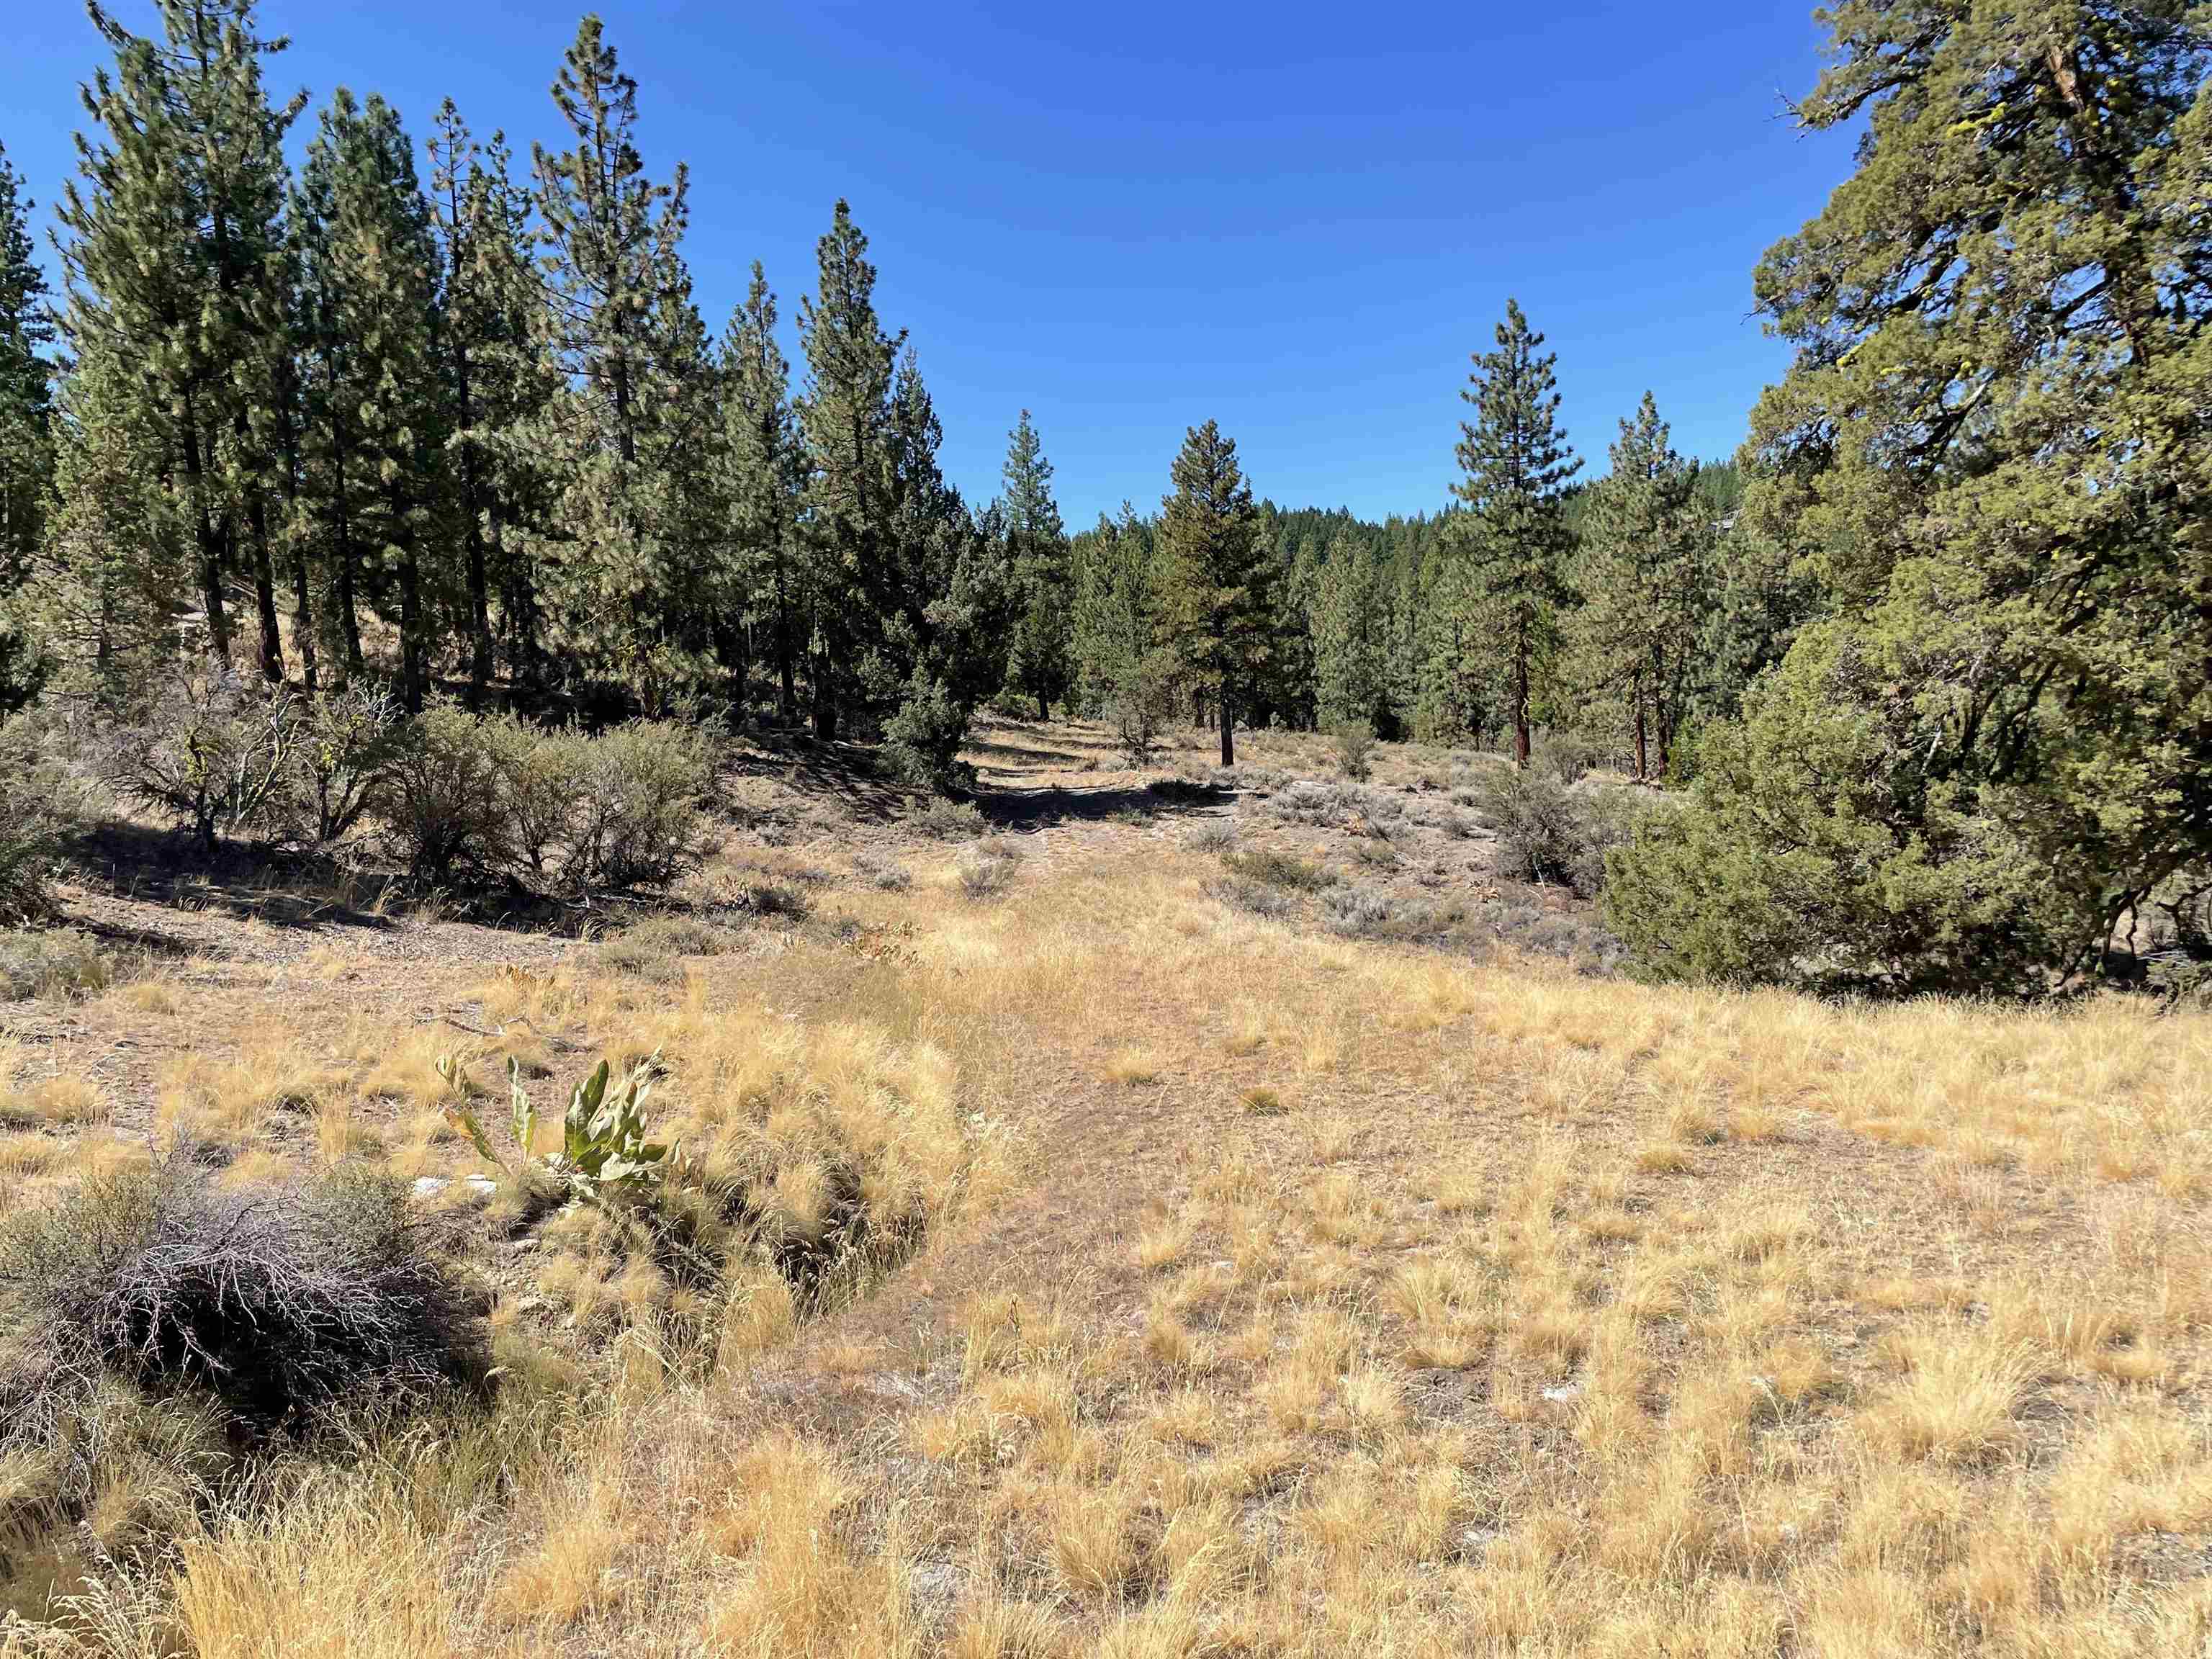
(45, 806)
(944, 820)
(1354, 911)
(886, 875)
(1276, 869)
(1354, 742)
(1566, 756)
(39, 963)
(1259, 899)
(1818, 847)
(641, 803)
(1548, 833)
(347, 743)
(478, 797)
(986, 867)
(445, 804)
(1214, 836)
(541, 779)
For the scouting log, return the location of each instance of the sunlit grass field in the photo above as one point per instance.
(1234, 1288)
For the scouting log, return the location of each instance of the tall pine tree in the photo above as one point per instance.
(763, 471)
(1037, 544)
(631, 432)
(1646, 578)
(369, 284)
(26, 450)
(1515, 543)
(1218, 577)
(845, 416)
(175, 262)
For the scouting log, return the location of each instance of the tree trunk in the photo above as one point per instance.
(410, 621)
(1520, 711)
(1044, 710)
(264, 592)
(1640, 774)
(787, 677)
(1228, 730)
(303, 615)
(209, 543)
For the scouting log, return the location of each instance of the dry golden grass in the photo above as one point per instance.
(1560, 1317)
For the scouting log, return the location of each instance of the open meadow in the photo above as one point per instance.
(1089, 1236)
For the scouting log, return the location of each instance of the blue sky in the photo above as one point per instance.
(1296, 221)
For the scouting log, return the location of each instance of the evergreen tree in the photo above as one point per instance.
(1036, 544)
(26, 399)
(1126, 669)
(118, 554)
(1515, 542)
(764, 470)
(630, 434)
(1219, 597)
(370, 267)
(27, 451)
(493, 381)
(1993, 453)
(1349, 635)
(1647, 581)
(845, 416)
(943, 598)
(175, 262)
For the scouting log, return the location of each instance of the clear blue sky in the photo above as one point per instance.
(1296, 221)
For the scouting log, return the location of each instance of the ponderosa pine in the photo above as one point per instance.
(1216, 578)
(1513, 543)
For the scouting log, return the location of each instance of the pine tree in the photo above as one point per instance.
(498, 380)
(943, 597)
(1349, 634)
(175, 264)
(1126, 669)
(1515, 545)
(26, 398)
(118, 554)
(27, 449)
(630, 435)
(1218, 579)
(1038, 657)
(764, 470)
(1647, 582)
(369, 279)
(1991, 454)
(845, 416)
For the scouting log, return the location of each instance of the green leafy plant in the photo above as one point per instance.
(604, 1149)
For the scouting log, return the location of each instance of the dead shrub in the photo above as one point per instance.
(280, 1302)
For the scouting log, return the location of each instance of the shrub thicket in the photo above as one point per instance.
(1819, 847)
(45, 805)
(479, 797)
(1549, 833)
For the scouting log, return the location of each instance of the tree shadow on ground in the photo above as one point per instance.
(1056, 804)
(249, 883)
(852, 774)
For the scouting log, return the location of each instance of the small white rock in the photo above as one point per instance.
(1565, 1391)
(427, 1187)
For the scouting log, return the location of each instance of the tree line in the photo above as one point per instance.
(1928, 663)
(466, 427)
